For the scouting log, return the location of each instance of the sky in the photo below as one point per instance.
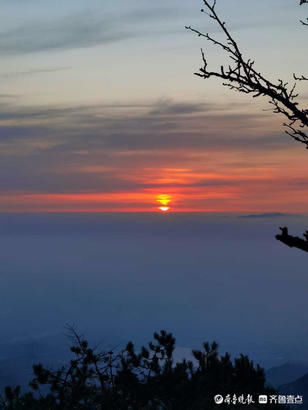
(100, 110)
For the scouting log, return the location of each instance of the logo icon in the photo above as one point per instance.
(218, 399)
(263, 398)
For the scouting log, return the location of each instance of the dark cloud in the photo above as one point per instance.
(74, 32)
(25, 175)
(78, 31)
(98, 127)
(168, 107)
(34, 71)
(298, 183)
(8, 96)
(14, 133)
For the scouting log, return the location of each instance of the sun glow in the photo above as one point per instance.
(164, 200)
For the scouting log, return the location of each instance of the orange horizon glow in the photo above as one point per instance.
(174, 190)
(164, 208)
(181, 199)
(143, 211)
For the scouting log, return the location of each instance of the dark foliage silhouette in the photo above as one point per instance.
(145, 379)
(242, 76)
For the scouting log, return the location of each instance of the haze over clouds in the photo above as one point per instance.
(118, 277)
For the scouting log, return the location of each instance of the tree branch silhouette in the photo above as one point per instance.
(293, 241)
(303, 22)
(242, 76)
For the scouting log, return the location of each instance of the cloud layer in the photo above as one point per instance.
(81, 30)
(206, 157)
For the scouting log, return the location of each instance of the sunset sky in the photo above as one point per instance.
(100, 110)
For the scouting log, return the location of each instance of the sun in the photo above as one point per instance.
(163, 200)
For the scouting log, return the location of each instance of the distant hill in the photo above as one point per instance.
(299, 386)
(276, 376)
(266, 215)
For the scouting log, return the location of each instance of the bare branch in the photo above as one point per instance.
(304, 2)
(300, 78)
(241, 76)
